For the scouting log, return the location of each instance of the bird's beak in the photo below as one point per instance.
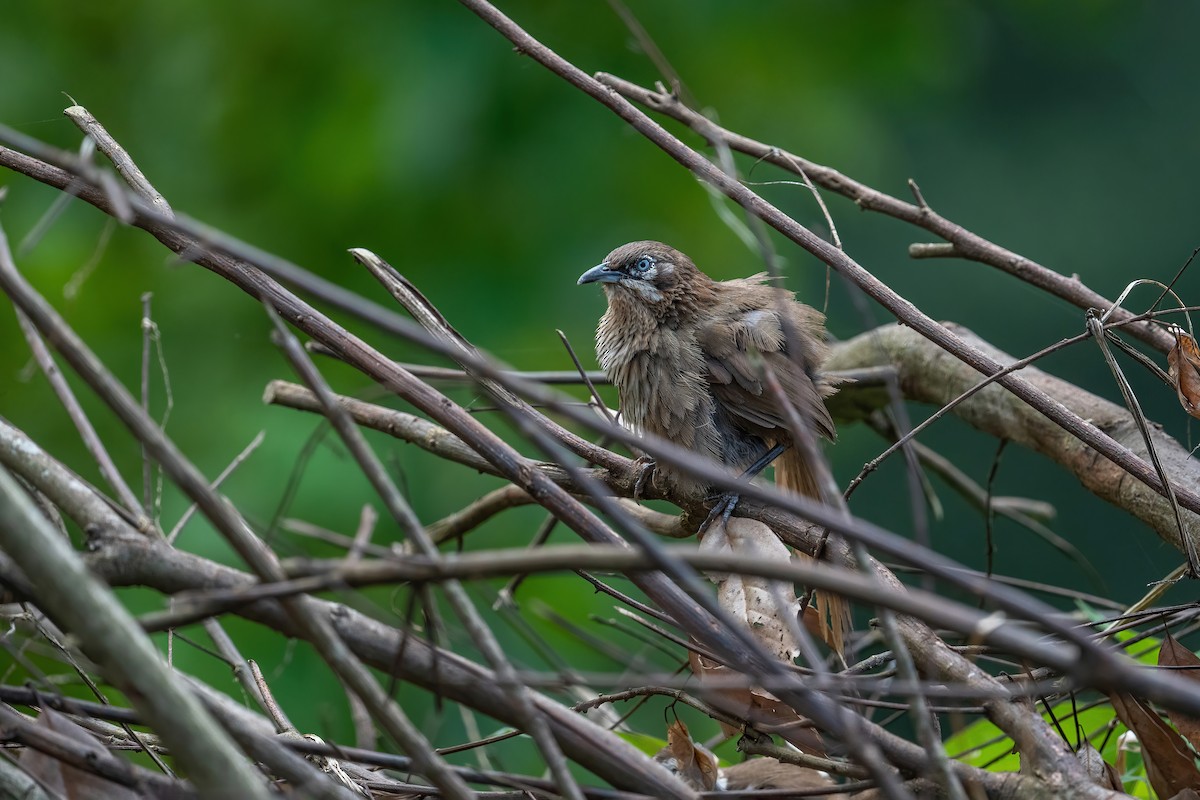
(600, 274)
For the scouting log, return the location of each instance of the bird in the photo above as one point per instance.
(690, 357)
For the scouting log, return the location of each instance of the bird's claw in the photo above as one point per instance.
(645, 466)
(723, 509)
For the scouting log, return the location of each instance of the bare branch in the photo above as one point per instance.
(929, 376)
(965, 243)
(83, 606)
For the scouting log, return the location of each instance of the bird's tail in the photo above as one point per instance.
(832, 612)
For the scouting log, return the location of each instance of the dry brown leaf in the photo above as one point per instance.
(1183, 365)
(1173, 654)
(1101, 772)
(812, 622)
(757, 706)
(693, 764)
(1169, 761)
(768, 609)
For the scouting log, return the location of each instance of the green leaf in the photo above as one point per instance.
(647, 744)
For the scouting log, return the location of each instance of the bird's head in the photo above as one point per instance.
(650, 272)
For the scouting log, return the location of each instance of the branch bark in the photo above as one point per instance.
(467, 441)
(960, 242)
(85, 608)
(928, 374)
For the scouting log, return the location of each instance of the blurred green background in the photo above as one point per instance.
(1066, 132)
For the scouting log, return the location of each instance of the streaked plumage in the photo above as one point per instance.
(688, 355)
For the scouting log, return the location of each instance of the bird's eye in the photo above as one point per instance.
(643, 264)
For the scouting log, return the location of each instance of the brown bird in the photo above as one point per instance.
(689, 357)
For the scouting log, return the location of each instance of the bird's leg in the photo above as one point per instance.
(645, 467)
(728, 502)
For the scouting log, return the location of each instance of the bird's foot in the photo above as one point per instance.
(723, 510)
(645, 466)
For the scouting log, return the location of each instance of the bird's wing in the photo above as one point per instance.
(750, 338)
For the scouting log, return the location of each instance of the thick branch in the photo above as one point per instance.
(514, 468)
(124, 560)
(838, 260)
(930, 375)
(88, 610)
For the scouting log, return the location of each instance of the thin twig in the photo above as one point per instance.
(238, 460)
(402, 512)
(1095, 327)
(87, 432)
(969, 244)
(221, 513)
